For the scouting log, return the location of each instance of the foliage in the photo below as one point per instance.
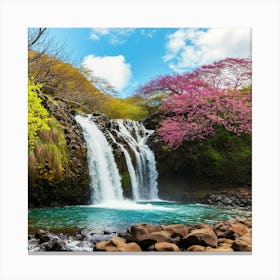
(228, 73)
(118, 108)
(63, 81)
(49, 157)
(126, 182)
(212, 97)
(47, 151)
(38, 116)
(197, 116)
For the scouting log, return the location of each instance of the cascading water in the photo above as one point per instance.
(103, 171)
(135, 135)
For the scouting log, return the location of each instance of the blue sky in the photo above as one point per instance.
(130, 57)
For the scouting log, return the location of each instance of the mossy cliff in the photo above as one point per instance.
(58, 173)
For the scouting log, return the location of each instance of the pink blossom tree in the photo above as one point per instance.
(213, 96)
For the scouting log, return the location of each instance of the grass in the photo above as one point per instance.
(48, 159)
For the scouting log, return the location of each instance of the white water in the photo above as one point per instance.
(103, 171)
(131, 170)
(131, 137)
(144, 176)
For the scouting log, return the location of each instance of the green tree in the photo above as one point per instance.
(38, 116)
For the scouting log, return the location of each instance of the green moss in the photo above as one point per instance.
(126, 183)
(164, 148)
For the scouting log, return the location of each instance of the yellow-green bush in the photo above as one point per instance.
(38, 116)
(47, 152)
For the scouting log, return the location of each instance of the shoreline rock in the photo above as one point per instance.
(223, 236)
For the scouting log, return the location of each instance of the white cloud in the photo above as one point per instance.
(97, 33)
(190, 48)
(115, 36)
(148, 32)
(113, 68)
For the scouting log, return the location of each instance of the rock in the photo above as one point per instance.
(117, 244)
(143, 228)
(203, 236)
(196, 248)
(225, 241)
(56, 246)
(241, 244)
(146, 235)
(246, 221)
(166, 246)
(176, 230)
(42, 235)
(223, 230)
(223, 248)
(150, 248)
(238, 228)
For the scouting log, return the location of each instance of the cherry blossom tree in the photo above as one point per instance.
(198, 103)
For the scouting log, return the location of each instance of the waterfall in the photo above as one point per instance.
(130, 137)
(103, 171)
(131, 170)
(135, 135)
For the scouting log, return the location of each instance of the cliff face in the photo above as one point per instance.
(73, 187)
(196, 169)
(189, 173)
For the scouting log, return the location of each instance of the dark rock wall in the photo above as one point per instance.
(74, 188)
(185, 175)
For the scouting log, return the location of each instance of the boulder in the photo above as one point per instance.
(223, 248)
(246, 221)
(42, 235)
(166, 246)
(238, 228)
(176, 230)
(243, 243)
(117, 244)
(56, 246)
(225, 241)
(203, 237)
(223, 230)
(146, 235)
(196, 248)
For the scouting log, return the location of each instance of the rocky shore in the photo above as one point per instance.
(223, 236)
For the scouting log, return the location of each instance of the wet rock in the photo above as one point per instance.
(237, 197)
(166, 246)
(42, 235)
(56, 246)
